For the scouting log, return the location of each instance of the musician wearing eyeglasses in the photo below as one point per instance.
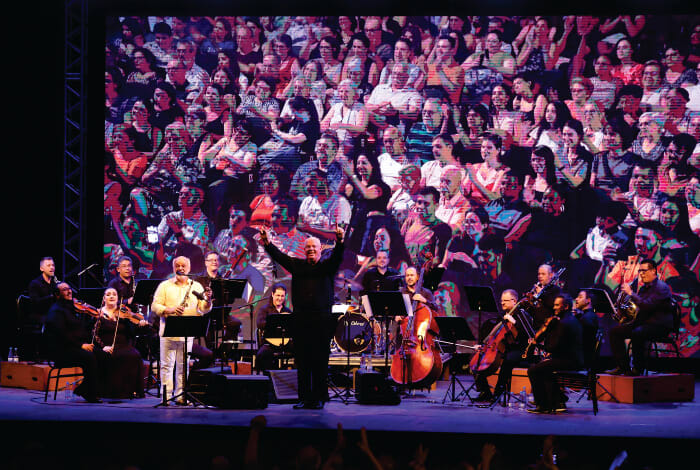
(654, 319)
(70, 343)
(177, 296)
(513, 351)
(124, 282)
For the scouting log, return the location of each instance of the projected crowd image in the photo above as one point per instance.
(473, 148)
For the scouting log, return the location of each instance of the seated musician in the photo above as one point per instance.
(381, 277)
(561, 337)
(654, 320)
(42, 294)
(265, 357)
(512, 356)
(42, 290)
(204, 353)
(70, 343)
(124, 282)
(543, 308)
(423, 295)
(124, 372)
(583, 310)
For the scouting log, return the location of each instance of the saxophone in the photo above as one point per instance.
(183, 304)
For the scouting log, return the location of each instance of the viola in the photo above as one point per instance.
(84, 307)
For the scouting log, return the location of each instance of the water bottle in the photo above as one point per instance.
(363, 362)
(369, 362)
(68, 390)
(523, 398)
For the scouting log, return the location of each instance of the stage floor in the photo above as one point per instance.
(423, 412)
(69, 433)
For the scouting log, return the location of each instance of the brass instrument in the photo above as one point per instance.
(625, 310)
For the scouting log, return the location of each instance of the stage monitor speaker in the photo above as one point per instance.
(285, 386)
(372, 388)
(230, 391)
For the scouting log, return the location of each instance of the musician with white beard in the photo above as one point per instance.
(177, 296)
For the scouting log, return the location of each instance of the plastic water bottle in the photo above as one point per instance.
(369, 362)
(363, 362)
(68, 391)
(523, 398)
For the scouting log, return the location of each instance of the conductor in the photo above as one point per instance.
(312, 325)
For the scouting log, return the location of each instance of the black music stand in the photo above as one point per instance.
(386, 305)
(228, 290)
(453, 329)
(143, 295)
(480, 299)
(278, 326)
(191, 326)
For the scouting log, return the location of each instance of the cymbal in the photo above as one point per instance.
(344, 283)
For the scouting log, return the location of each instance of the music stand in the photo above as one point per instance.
(386, 305)
(143, 295)
(191, 326)
(480, 298)
(228, 290)
(278, 327)
(453, 329)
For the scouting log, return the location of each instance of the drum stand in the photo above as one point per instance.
(337, 393)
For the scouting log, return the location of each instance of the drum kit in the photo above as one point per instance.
(357, 333)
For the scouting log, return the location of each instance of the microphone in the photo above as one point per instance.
(199, 295)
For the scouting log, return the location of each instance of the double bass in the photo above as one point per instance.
(417, 361)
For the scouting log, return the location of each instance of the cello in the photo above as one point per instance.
(490, 355)
(417, 361)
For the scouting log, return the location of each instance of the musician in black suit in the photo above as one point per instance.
(312, 324)
(654, 320)
(562, 338)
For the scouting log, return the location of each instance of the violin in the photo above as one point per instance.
(539, 335)
(84, 307)
(128, 314)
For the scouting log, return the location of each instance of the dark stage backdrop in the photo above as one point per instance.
(173, 168)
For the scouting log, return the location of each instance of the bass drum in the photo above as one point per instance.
(353, 333)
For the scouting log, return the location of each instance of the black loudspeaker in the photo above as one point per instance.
(230, 391)
(372, 388)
